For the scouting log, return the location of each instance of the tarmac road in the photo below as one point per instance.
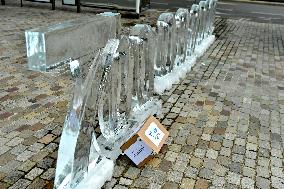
(250, 11)
(229, 9)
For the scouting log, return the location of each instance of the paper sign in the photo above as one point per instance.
(149, 139)
(154, 134)
(138, 151)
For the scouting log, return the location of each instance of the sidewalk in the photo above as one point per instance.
(225, 118)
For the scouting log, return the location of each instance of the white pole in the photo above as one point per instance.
(137, 6)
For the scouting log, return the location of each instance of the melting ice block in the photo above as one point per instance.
(48, 47)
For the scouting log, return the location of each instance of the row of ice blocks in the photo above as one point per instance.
(47, 47)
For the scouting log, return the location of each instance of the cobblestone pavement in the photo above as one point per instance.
(224, 118)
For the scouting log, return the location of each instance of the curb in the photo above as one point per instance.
(255, 2)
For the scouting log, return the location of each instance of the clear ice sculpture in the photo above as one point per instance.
(212, 10)
(166, 48)
(196, 11)
(193, 25)
(112, 92)
(79, 152)
(182, 30)
(117, 93)
(207, 16)
(207, 19)
(143, 42)
(52, 46)
(127, 89)
(203, 19)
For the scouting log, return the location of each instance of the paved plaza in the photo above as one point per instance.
(226, 118)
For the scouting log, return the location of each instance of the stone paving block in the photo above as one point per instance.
(39, 156)
(251, 154)
(215, 145)
(276, 162)
(22, 183)
(4, 149)
(154, 186)
(220, 170)
(33, 173)
(45, 163)
(37, 183)
(110, 184)
(179, 166)
(12, 177)
(10, 166)
(239, 150)
(171, 156)
(233, 178)
(223, 160)
(249, 172)
(206, 173)
(36, 147)
(12, 134)
(3, 141)
(262, 183)
(187, 183)
(262, 171)
(132, 173)
(277, 182)
(200, 153)
(5, 158)
(125, 181)
(26, 166)
(41, 133)
(251, 146)
(238, 158)
(250, 162)
(4, 185)
(47, 139)
(118, 170)
(165, 165)
(120, 187)
(247, 183)
(15, 141)
(225, 151)
(235, 167)
(276, 153)
(17, 150)
(218, 182)
(174, 176)
(212, 154)
(175, 147)
(170, 185)
(49, 174)
(30, 140)
(277, 172)
(25, 155)
(196, 162)
(141, 182)
(201, 184)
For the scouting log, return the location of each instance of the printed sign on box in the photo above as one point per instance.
(138, 151)
(153, 133)
(149, 139)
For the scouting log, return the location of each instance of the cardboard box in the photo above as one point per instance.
(146, 142)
